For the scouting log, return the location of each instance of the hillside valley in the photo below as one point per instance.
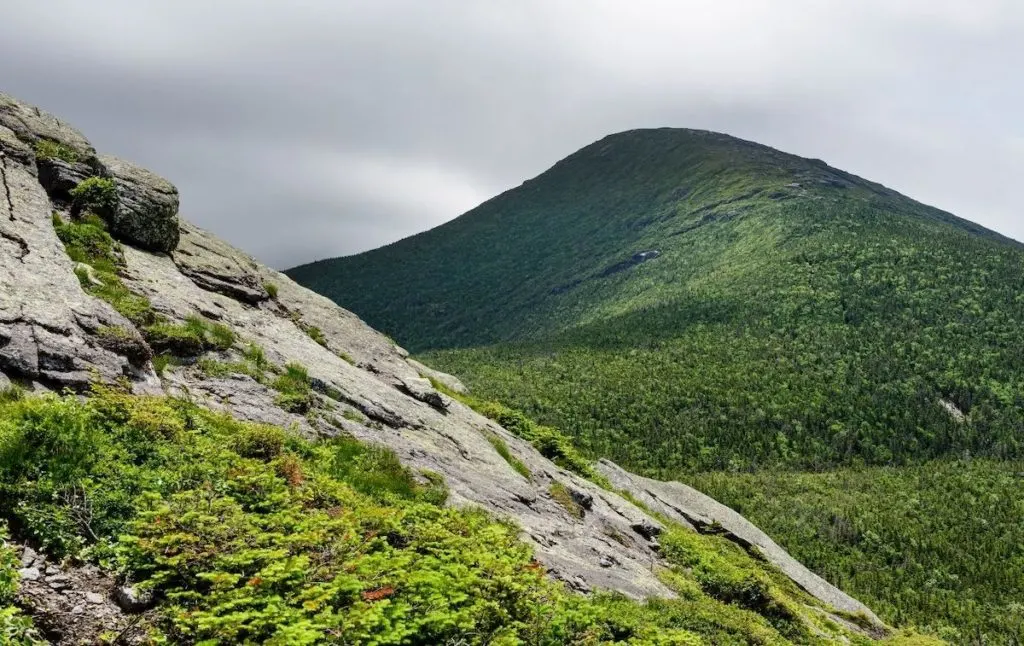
(825, 355)
(194, 449)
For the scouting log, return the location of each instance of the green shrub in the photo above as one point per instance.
(260, 442)
(179, 340)
(502, 449)
(11, 393)
(294, 388)
(49, 149)
(563, 497)
(189, 339)
(271, 289)
(96, 195)
(86, 240)
(249, 534)
(315, 333)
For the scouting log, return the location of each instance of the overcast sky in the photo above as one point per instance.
(308, 129)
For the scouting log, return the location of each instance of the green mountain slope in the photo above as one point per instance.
(696, 306)
(682, 299)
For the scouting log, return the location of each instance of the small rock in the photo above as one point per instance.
(28, 557)
(131, 599)
(579, 584)
(647, 529)
(77, 610)
(94, 598)
(59, 581)
(52, 570)
(29, 574)
(607, 561)
(422, 390)
(582, 498)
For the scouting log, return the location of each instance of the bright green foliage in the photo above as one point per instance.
(271, 289)
(15, 627)
(86, 240)
(49, 149)
(96, 195)
(502, 448)
(939, 545)
(257, 356)
(248, 534)
(316, 334)
(295, 388)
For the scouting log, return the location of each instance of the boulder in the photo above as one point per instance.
(147, 216)
(32, 125)
(59, 177)
(217, 267)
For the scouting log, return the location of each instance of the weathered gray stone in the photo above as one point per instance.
(48, 325)
(218, 267)
(28, 557)
(420, 389)
(29, 574)
(680, 502)
(147, 215)
(60, 177)
(448, 381)
(131, 599)
(30, 124)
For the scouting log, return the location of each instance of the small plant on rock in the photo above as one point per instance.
(95, 195)
(49, 149)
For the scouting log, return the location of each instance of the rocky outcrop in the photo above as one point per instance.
(685, 504)
(147, 213)
(50, 330)
(54, 334)
(217, 267)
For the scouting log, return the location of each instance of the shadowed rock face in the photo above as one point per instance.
(51, 337)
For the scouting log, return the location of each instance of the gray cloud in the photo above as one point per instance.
(319, 128)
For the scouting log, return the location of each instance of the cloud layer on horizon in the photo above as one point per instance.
(315, 129)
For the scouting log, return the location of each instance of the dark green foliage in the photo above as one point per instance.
(248, 534)
(939, 545)
(804, 325)
(97, 195)
(795, 316)
(49, 149)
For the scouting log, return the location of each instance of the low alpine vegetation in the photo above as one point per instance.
(96, 195)
(246, 533)
(49, 149)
